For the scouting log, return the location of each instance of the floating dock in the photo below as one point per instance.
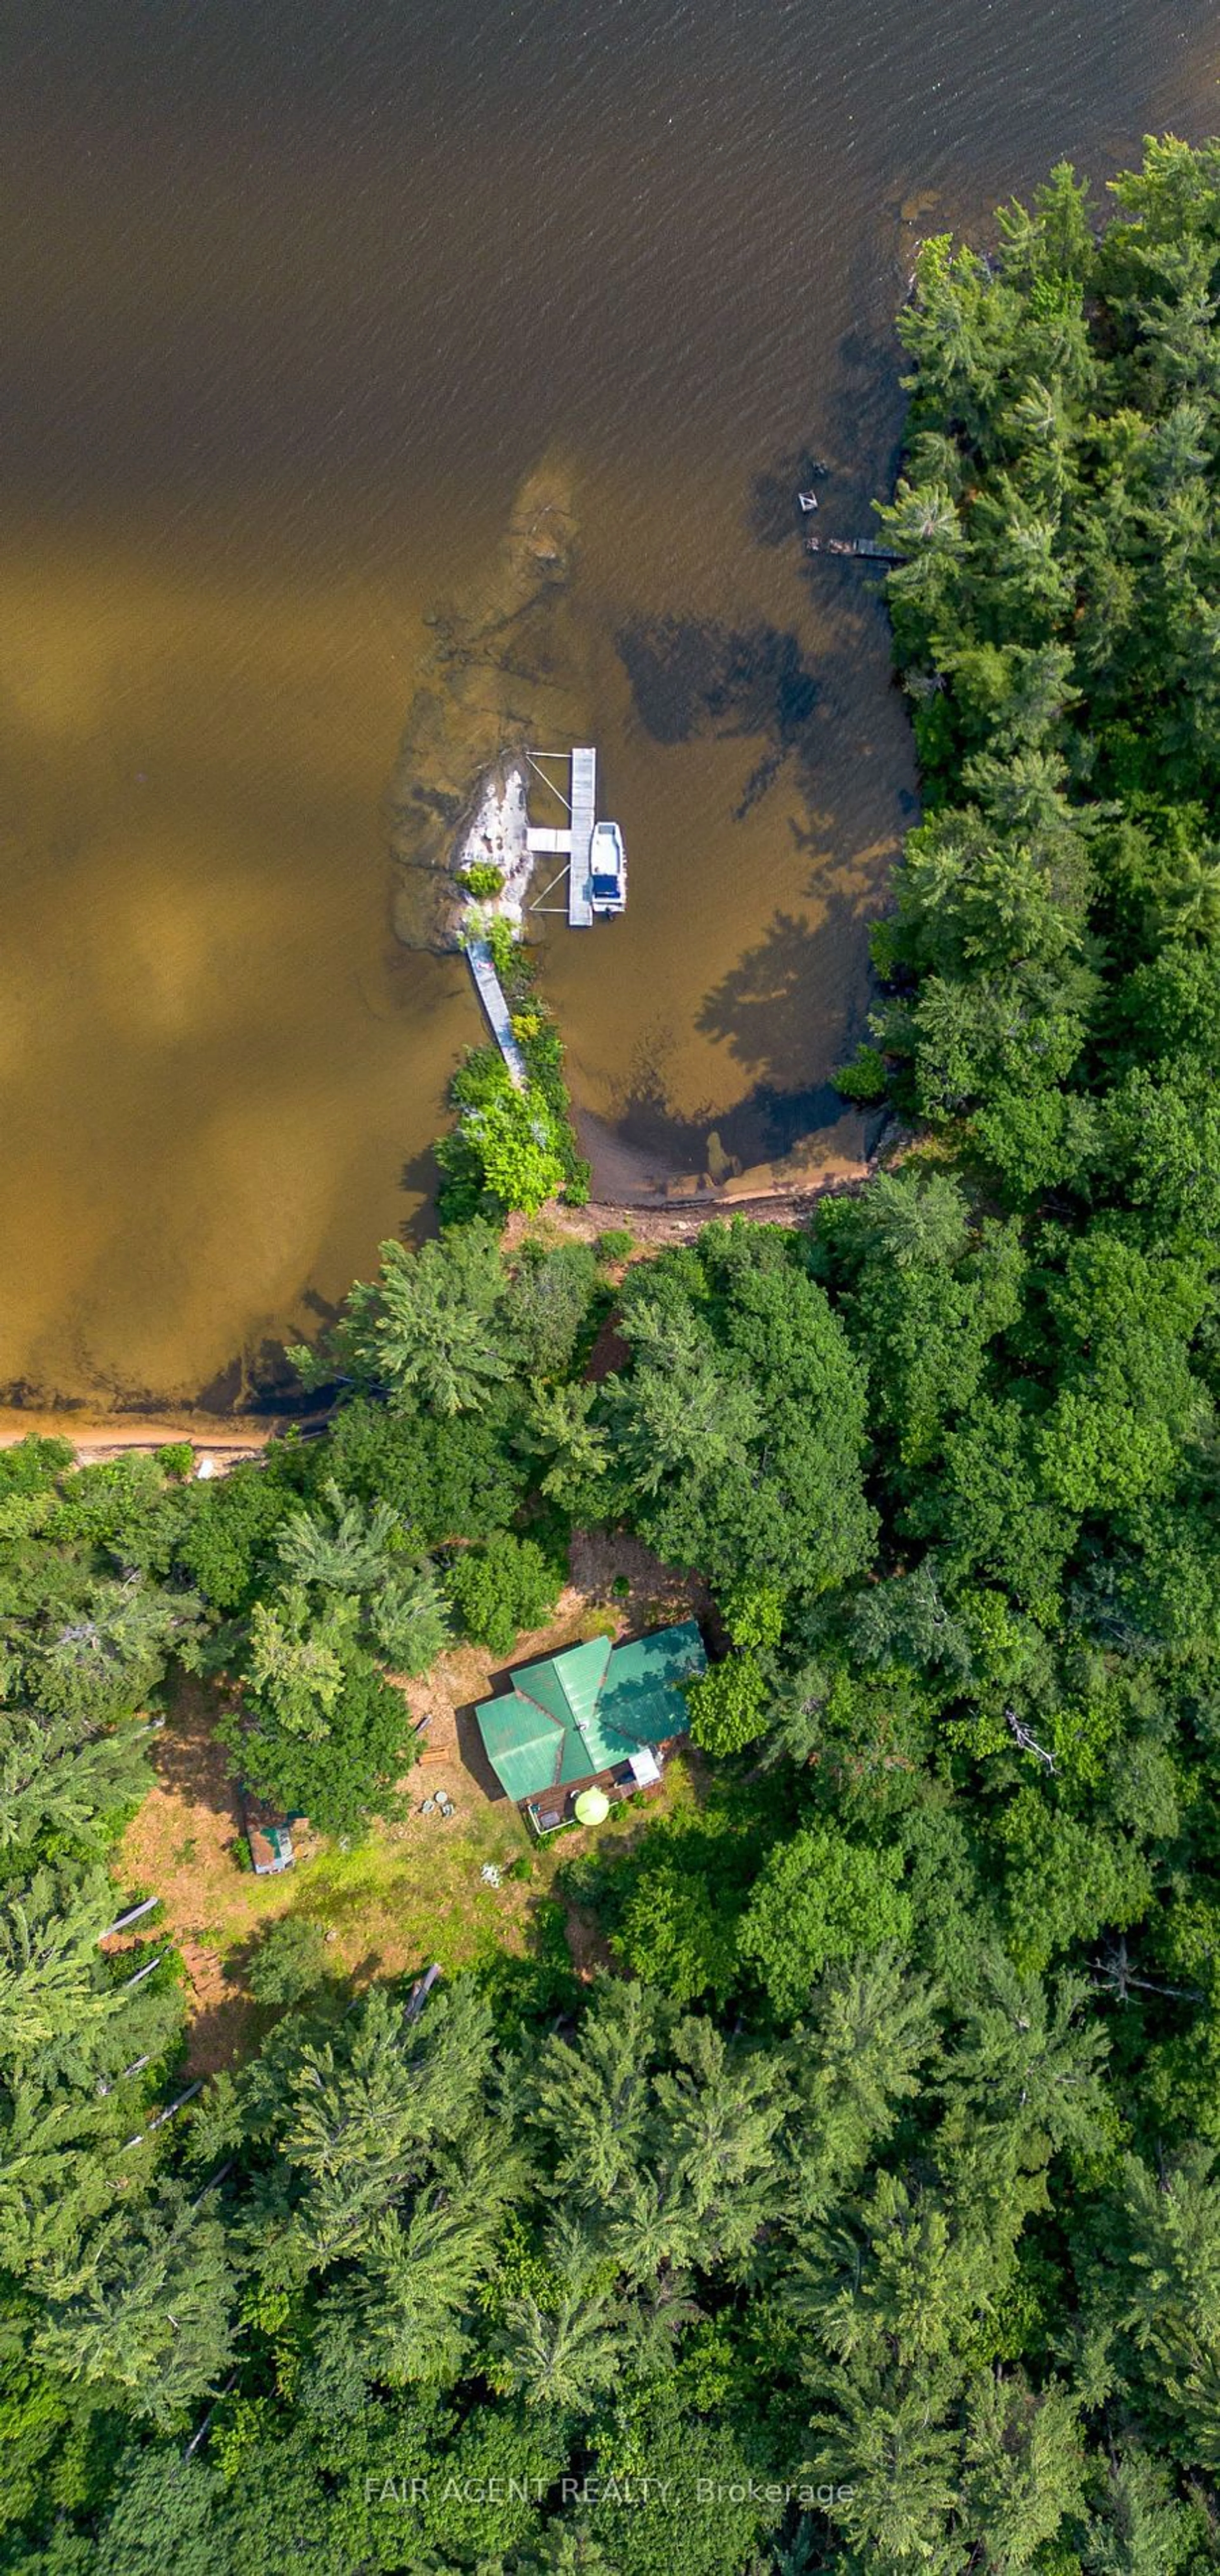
(584, 815)
(499, 1019)
(571, 840)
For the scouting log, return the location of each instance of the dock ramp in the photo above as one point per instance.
(499, 1020)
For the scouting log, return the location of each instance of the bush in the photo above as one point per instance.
(289, 1962)
(120, 1505)
(615, 1244)
(32, 1465)
(481, 1076)
(175, 1458)
(502, 1588)
(865, 1079)
(515, 1141)
(502, 941)
(483, 880)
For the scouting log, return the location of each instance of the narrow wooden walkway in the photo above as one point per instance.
(491, 994)
(871, 548)
(584, 812)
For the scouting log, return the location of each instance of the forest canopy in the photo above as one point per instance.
(864, 2215)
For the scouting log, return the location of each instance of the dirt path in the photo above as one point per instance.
(678, 1219)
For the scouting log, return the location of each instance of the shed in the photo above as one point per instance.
(268, 1834)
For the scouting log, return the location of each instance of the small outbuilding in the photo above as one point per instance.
(595, 1716)
(269, 1836)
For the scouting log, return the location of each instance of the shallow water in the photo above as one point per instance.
(294, 299)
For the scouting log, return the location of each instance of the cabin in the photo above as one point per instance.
(595, 1716)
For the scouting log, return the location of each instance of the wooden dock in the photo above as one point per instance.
(491, 994)
(584, 815)
(870, 548)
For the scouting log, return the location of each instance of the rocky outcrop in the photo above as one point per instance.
(499, 675)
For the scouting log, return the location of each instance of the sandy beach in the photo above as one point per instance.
(94, 1436)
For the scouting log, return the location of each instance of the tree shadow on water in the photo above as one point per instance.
(765, 1123)
(766, 1008)
(420, 1179)
(691, 677)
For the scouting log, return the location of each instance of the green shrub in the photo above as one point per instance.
(615, 1244)
(32, 1465)
(175, 1458)
(865, 1079)
(289, 1962)
(513, 1138)
(501, 1588)
(502, 941)
(483, 880)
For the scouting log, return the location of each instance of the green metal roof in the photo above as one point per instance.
(588, 1708)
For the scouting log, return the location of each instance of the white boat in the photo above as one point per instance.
(607, 869)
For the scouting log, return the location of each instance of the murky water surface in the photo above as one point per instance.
(294, 299)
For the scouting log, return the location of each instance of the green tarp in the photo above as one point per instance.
(589, 1708)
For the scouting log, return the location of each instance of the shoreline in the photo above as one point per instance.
(788, 1198)
(658, 1216)
(96, 1437)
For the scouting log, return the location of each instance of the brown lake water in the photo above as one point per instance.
(294, 298)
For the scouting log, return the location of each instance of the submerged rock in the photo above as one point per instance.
(499, 675)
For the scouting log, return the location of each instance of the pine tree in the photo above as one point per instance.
(56, 1782)
(146, 2308)
(368, 2113)
(872, 2028)
(1030, 2065)
(594, 2098)
(53, 1981)
(1023, 2470)
(341, 1550)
